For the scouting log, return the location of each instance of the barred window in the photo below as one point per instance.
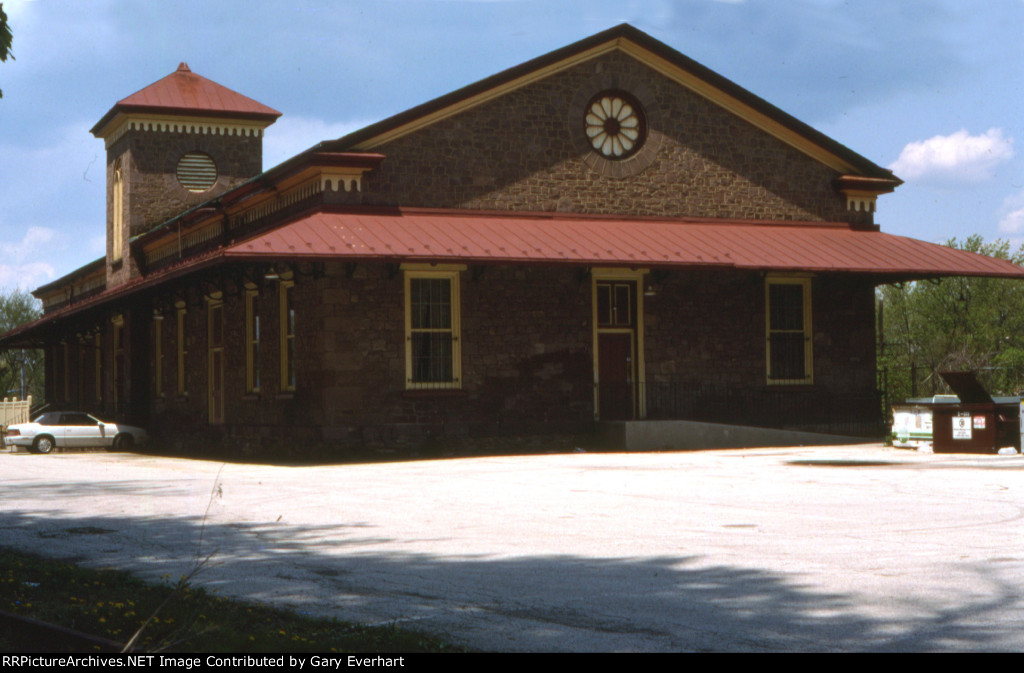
(432, 329)
(788, 327)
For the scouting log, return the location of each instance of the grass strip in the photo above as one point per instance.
(113, 604)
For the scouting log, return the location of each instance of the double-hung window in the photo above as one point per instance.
(120, 362)
(181, 348)
(287, 336)
(215, 357)
(252, 340)
(788, 330)
(432, 322)
(97, 341)
(158, 354)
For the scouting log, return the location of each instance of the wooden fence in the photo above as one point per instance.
(14, 411)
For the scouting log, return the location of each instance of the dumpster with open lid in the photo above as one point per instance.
(977, 423)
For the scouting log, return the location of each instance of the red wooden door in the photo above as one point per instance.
(616, 389)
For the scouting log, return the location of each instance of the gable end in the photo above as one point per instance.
(652, 53)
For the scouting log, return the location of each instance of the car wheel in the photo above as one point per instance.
(123, 443)
(43, 444)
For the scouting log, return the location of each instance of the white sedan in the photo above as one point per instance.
(72, 429)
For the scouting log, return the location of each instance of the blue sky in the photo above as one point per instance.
(933, 89)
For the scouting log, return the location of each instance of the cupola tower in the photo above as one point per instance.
(176, 143)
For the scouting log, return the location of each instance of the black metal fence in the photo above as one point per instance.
(899, 383)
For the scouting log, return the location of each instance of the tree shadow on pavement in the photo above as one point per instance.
(538, 603)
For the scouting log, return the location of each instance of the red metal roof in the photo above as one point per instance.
(185, 93)
(447, 236)
(468, 237)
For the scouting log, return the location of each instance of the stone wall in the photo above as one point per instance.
(706, 350)
(152, 193)
(527, 364)
(517, 379)
(708, 327)
(527, 151)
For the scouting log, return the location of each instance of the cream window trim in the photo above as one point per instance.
(158, 354)
(117, 215)
(286, 318)
(82, 366)
(119, 352)
(252, 341)
(181, 347)
(98, 373)
(432, 268)
(215, 353)
(617, 273)
(782, 339)
(433, 362)
(67, 374)
(598, 274)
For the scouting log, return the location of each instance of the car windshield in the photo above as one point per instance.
(50, 418)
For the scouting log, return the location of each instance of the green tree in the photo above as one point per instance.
(6, 37)
(953, 324)
(21, 370)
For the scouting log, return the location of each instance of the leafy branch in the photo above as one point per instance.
(199, 562)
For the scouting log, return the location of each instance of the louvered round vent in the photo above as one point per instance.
(197, 172)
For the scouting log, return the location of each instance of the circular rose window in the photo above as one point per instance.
(615, 125)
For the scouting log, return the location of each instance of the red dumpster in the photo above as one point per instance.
(977, 424)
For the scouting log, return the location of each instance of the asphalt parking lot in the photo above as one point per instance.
(804, 549)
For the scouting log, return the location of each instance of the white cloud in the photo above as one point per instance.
(34, 242)
(1012, 220)
(958, 157)
(40, 232)
(15, 9)
(25, 276)
(22, 272)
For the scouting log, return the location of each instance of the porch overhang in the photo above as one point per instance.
(473, 237)
(51, 325)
